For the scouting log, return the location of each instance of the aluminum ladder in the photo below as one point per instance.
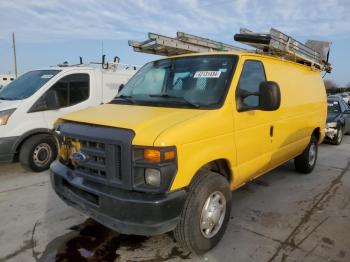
(313, 53)
(183, 43)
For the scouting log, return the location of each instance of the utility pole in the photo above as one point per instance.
(14, 53)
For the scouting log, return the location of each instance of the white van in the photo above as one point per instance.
(30, 104)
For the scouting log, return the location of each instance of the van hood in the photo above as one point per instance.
(9, 104)
(147, 122)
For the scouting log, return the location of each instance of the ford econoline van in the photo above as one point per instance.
(183, 132)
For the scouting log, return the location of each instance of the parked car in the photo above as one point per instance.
(30, 104)
(338, 120)
(183, 132)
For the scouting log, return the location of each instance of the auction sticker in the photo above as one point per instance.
(46, 76)
(207, 74)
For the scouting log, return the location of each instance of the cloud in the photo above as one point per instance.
(40, 21)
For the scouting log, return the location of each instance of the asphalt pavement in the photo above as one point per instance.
(282, 216)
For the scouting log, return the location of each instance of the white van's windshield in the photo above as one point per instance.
(26, 85)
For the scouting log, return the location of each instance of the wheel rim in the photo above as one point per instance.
(340, 136)
(312, 154)
(42, 154)
(213, 214)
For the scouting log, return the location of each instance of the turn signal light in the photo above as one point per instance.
(169, 155)
(152, 155)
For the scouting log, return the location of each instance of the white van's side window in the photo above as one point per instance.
(252, 75)
(69, 91)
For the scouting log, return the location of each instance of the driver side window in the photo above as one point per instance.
(252, 75)
(68, 91)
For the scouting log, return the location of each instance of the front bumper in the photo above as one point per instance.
(127, 212)
(6, 148)
(331, 132)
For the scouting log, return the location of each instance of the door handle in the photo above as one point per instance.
(271, 131)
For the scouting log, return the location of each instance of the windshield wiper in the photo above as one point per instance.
(125, 98)
(8, 98)
(182, 99)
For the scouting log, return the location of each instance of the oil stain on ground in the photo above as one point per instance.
(91, 241)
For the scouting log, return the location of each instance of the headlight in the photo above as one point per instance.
(154, 168)
(152, 177)
(332, 124)
(5, 115)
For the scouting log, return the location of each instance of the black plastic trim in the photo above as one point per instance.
(125, 211)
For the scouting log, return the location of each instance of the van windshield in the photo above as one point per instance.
(191, 82)
(26, 85)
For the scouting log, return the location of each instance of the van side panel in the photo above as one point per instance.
(303, 108)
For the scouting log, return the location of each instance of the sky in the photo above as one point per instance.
(50, 32)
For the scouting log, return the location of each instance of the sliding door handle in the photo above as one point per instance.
(271, 131)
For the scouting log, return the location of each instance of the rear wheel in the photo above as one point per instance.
(38, 152)
(306, 162)
(206, 213)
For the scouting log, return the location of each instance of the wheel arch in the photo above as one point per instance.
(220, 166)
(317, 133)
(38, 131)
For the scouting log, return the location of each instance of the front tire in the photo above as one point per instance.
(206, 213)
(38, 152)
(339, 137)
(306, 162)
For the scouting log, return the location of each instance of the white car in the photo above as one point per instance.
(30, 105)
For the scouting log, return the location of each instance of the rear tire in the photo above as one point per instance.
(206, 213)
(38, 152)
(306, 162)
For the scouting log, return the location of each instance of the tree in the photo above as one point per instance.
(329, 84)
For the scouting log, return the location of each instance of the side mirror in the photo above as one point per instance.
(52, 101)
(121, 87)
(267, 99)
(269, 96)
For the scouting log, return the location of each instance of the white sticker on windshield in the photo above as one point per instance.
(207, 74)
(46, 76)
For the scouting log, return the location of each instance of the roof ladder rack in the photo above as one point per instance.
(313, 53)
(183, 43)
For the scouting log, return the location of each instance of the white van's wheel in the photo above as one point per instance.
(306, 162)
(38, 152)
(206, 213)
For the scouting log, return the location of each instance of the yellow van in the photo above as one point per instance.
(183, 133)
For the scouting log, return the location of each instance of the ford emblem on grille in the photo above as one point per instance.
(79, 157)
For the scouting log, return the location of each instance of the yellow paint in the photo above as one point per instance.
(242, 139)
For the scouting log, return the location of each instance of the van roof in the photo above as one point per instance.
(240, 53)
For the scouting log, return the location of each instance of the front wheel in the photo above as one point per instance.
(339, 137)
(206, 213)
(38, 152)
(306, 162)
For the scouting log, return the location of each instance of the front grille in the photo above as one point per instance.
(96, 155)
(107, 151)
